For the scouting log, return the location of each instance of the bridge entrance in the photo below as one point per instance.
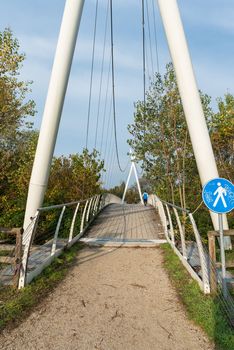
(127, 225)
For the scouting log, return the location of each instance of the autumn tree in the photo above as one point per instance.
(15, 109)
(222, 135)
(72, 178)
(160, 139)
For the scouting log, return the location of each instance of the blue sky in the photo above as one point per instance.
(209, 28)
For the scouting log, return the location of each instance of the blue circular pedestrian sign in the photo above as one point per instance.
(218, 195)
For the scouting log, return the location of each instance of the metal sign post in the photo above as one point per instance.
(222, 250)
(218, 196)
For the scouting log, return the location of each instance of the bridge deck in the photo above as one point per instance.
(117, 224)
(129, 222)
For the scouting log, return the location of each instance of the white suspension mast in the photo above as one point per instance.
(53, 106)
(132, 169)
(189, 93)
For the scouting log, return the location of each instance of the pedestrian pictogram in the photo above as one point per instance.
(218, 195)
(221, 192)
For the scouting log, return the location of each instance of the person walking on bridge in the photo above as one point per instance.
(145, 198)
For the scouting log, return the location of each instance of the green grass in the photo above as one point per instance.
(15, 304)
(204, 310)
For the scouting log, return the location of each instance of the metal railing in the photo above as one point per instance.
(182, 234)
(54, 228)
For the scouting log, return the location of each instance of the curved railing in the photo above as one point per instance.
(182, 234)
(52, 229)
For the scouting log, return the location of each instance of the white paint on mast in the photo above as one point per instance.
(53, 106)
(189, 93)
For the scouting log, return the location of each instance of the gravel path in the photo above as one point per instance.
(112, 299)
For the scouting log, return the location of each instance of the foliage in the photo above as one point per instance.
(72, 178)
(132, 195)
(222, 134)
(15, 131)
(205, 310)
(118, 190)
(160, 139)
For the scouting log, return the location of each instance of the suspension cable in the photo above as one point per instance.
(143, 50)
(91, 76)
(149, 34)
(101, 79)
(113, 87)
(155, 35)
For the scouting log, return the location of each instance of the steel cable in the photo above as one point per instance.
(155, 35)
(113, 88)
(101, 79)
(150, 40)
(91, 75)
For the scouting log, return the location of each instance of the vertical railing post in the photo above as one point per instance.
(101, 202)
(162, 215)
(73, 223)
(171, 226)
(95, 208)
(83, 216)
(28, 239)
(184, 251)
(212, 259)
(18, 256)
(204, 267)
(89, 207)
(53, 249)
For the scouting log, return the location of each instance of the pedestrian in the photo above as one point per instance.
(145, 198)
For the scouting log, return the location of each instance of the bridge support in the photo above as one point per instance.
(190, 96)
(53, 106)
(132, 169)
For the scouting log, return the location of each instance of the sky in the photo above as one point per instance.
(209, 29)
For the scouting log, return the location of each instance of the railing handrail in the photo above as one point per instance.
(88, 213)
(57, 206)
(204, 281)
(174, 206)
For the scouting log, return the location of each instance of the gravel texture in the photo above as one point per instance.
(112, 299)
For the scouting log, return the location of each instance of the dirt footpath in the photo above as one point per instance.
(112, 299)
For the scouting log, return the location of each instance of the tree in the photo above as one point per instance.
(74, 177)
(14, 112)
(222, 135)
(14, 109)
(160, 139)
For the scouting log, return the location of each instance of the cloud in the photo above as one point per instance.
(214, 14)
(38, 47)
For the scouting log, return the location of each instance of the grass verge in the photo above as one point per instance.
(204, 310)
(15, 304)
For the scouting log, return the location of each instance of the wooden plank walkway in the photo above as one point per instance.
(126, 223)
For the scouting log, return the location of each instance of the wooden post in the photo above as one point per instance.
(17, 259)
(212, 256)
(18, 256)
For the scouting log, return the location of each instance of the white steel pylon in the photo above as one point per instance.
(53, 107)
(190, 97)
(132, 169)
